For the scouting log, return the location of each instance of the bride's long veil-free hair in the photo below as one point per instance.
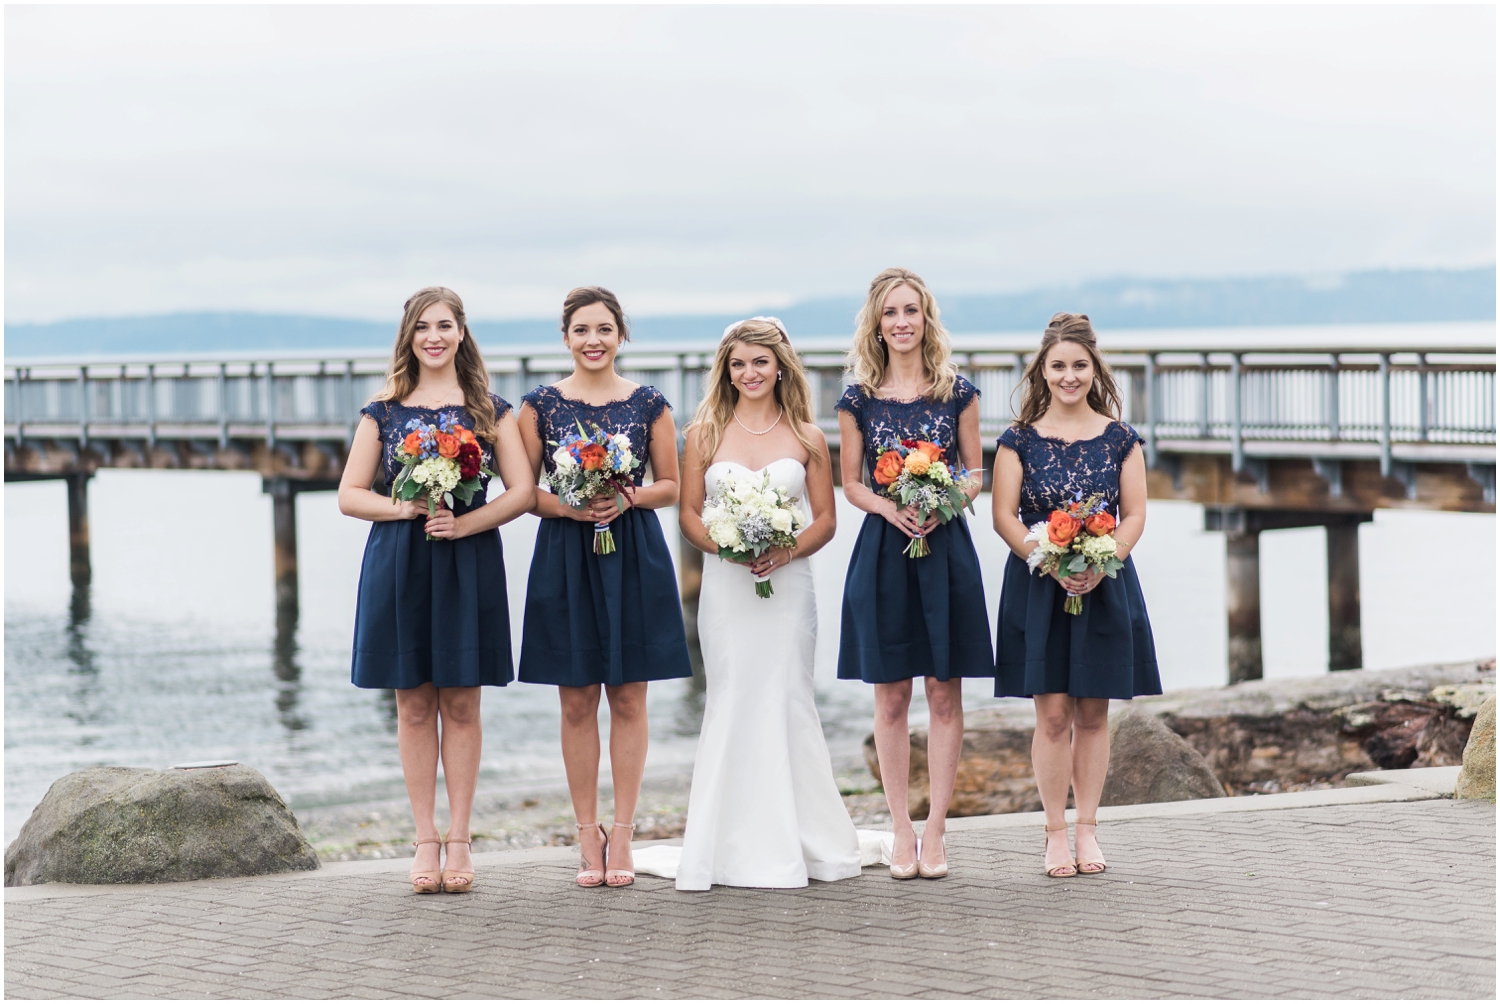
(793, 392)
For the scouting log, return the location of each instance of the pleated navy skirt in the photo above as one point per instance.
(603, 618)
(909, 617)
(1105, 651)
(431, 611)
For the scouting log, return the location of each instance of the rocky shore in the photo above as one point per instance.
(1259, 737)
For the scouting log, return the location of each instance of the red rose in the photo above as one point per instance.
(1099, 524)
(469, 461)
(1062, 528)
(592, 456)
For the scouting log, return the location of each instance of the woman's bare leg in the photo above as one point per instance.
(417, 740)
(580, 746)
(945, 740)
(1052, 763)
(629, 736)
(893, 750)
(462, 744)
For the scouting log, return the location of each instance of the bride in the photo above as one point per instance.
(764, 810)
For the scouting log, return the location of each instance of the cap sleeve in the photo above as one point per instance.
(963, 393)
(853, 401)
(502, 406)
(653, 403)
(1011, 439)
(380, 411)
(1126, 438)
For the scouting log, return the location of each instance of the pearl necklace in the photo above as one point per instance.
(767, 429)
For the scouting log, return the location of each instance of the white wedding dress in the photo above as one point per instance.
(765, 810)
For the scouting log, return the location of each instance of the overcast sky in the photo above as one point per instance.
(331, 160)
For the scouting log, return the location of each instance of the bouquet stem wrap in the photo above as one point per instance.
(604, 539)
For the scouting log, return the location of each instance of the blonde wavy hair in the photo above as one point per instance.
(1036, 397)
(401, 377)
(793, 393)
(868, 355)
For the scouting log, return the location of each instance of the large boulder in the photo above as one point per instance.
(1477, 777)
(109, 825)
(1148, 762)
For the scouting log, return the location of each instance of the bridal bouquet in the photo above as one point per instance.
(591, 465)
(746, 518)
(913, 472)
(1074, 539)
(439, 462)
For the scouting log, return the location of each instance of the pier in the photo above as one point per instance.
(1266, 428)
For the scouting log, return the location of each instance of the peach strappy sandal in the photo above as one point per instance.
(1065, 870)
(1090, 867)
(591, 878)
(617, 878)
(453, 879)
(429, 881)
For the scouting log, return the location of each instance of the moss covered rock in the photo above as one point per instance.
(107, 825)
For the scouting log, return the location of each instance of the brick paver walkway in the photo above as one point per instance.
(1360, 900)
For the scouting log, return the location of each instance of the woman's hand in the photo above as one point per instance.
(411, 508)
(605, 509)
(443, 524)
(1079, 583)
(775, 558)
(906, 519)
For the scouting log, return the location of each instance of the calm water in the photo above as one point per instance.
(175, 654)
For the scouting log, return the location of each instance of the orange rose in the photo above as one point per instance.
(412, 443)
(917, 462)
(934, 451)
(592, 456)
(1099, 524)
(466, 435)
(1062, 528)
(888, 468)
(447, 445)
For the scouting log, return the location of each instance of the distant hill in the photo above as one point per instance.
(1359, 297)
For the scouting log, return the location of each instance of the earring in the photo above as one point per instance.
(879, 338)
(779, 375)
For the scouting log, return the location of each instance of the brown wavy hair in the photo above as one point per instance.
(586, 295)
(1103, 397)
(869, 356)
(793, 393)
(401, 377)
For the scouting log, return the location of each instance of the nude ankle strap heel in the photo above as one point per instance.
(1066, 870)
(433, 879)
(618, 878)
(1090, 867)
(453, 879)
(591, 878)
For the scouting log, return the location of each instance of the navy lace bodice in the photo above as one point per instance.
(882, 420)
(392, 417)
(1055, 471)
(557, 415)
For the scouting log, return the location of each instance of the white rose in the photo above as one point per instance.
(563, 459)
(621, 441)
(781, 521)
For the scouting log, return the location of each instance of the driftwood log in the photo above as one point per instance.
(1257, 737)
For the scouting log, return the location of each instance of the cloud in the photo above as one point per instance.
(331, 159)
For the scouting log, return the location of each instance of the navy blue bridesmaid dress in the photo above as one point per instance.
(909, 617)
(602, 618)
(430, 611)
(1105, 651)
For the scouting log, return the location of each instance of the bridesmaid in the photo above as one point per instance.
(432, 622)
(611, 620)
(1069, 439)
(910, 617)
